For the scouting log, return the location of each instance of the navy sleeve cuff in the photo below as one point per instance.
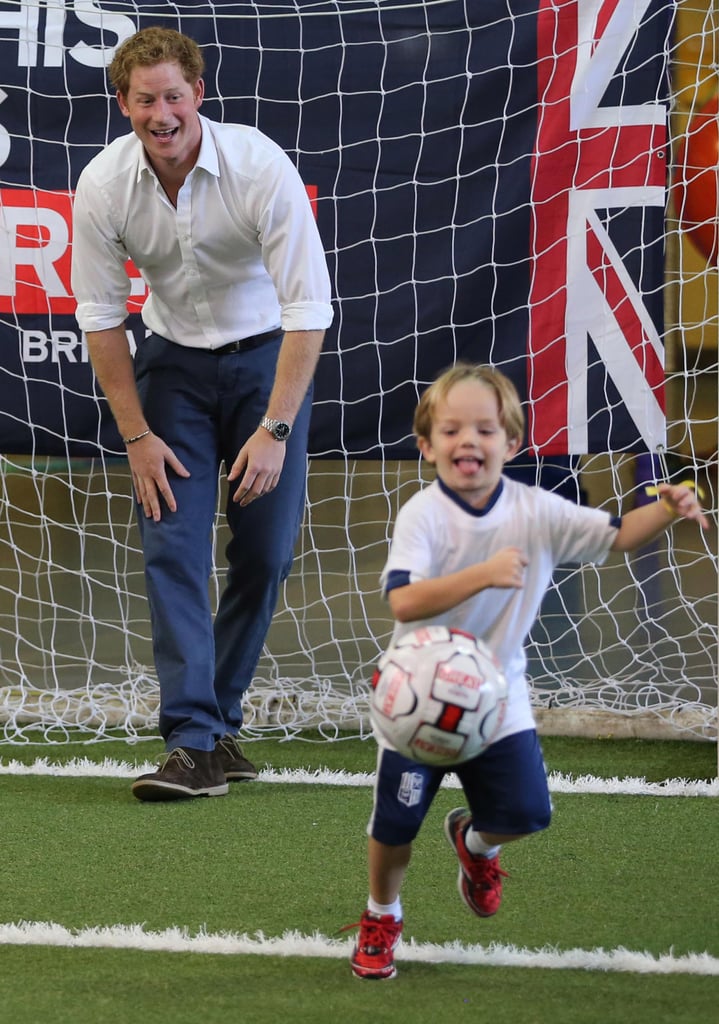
(396, 578)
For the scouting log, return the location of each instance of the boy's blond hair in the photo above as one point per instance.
(511, 415)
(151, 46)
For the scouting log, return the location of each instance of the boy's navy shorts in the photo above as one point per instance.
(505, 787)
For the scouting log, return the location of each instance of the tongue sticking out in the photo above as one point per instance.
(467, 466)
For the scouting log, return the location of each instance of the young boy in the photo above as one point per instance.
(476, 551)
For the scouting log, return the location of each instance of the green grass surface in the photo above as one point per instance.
(612, 871)
(127, 987)
(90, 986)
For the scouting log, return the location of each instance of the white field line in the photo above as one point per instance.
(558, 782)
(294, 944)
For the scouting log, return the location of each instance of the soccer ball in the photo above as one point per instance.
(438, 696)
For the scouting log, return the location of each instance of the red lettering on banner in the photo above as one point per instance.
(35, 253)
(35, 267)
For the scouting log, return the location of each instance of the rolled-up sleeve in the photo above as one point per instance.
(100, 282)
(291, 247)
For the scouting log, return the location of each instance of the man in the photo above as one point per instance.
(218, 222)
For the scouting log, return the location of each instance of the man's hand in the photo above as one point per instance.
(147, 458)
(258, 466)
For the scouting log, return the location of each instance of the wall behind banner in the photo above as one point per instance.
(692, 286)
(418, 129)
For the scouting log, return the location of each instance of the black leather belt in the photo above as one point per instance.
(246, 343)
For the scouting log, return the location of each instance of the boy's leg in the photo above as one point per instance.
(381, 922)
(387, 868)
(479, 881)
(403, 794)
(507, 791)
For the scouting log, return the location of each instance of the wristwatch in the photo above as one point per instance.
(279, 430)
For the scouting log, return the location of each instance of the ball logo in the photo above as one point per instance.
(394, 692)
(436, 750)
(456, 677)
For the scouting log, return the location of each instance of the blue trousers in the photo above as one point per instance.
(205, 407)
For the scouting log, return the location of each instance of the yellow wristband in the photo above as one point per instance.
(652, 490)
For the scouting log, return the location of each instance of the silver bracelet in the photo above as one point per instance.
(137, 437)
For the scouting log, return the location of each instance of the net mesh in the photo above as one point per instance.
(625, 648)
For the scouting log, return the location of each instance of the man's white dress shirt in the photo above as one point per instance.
(239, 255)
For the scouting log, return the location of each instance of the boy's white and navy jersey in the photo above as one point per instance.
(437, 533)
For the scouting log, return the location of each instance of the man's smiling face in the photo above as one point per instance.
(162, 108)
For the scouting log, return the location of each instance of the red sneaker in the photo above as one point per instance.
(480, 878)
(372, 956)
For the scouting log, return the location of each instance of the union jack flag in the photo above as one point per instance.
(591, 159)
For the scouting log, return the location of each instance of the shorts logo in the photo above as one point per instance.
(410, 788)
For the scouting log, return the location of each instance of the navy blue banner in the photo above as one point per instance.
(478, 196)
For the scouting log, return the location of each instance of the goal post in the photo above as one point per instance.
(490, 183)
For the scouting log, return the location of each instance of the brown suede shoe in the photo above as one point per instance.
(182, 774)
(234, 764)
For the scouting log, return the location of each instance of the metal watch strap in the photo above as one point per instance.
(279, 430)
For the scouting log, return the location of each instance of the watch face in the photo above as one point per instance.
(281, 431)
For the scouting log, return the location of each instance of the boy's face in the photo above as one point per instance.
(467, 443)
(162, 108)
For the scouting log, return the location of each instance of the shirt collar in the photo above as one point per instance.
(207, 158)
(465, 505)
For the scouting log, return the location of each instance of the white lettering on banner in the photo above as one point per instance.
(113, 29)
(50, 239)
(25, 19)
(54, 29)
(35, 234)
(104, 21)
(50, 346)
(4, 135)
(131, 341)
(39, 347)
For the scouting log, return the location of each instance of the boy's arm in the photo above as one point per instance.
(645, 523)
(426, 598)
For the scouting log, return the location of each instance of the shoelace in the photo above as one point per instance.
(231, 746)
(178, 754)
(378, 936)
(485, 872)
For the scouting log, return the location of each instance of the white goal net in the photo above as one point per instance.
(490, 181)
